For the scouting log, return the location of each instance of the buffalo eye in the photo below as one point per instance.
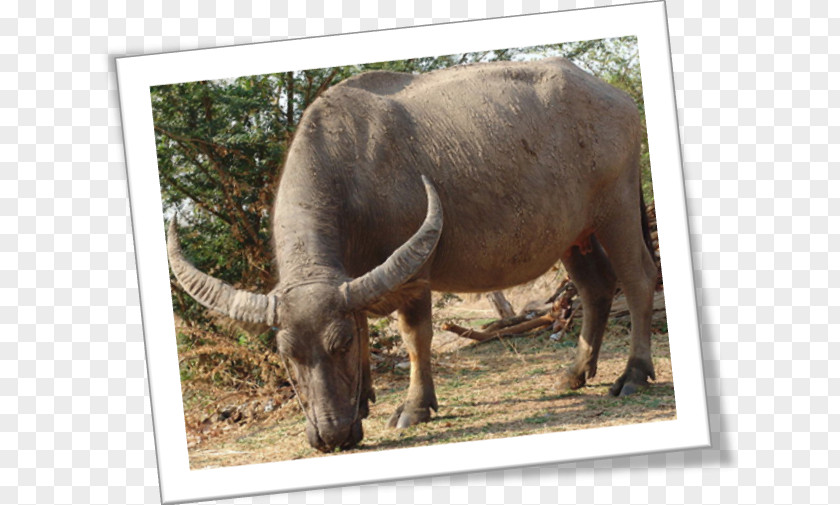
(339, 338)
(341, 344)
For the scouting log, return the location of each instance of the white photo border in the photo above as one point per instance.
(646, 21)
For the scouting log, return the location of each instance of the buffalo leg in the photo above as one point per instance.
(633, 264)
(415, 320)
(595, 281)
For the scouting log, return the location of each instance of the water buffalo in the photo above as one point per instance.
(470, 179)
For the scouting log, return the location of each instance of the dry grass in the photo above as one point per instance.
(501, 388)
(497, 389)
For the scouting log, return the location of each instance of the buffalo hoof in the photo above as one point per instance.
(633, 379)
(569, 381)
(403, 418)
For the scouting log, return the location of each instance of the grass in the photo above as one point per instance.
(496, 389)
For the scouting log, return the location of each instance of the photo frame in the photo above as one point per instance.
(137, 74)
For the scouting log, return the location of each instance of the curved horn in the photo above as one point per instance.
(215, 294)
(403, 263)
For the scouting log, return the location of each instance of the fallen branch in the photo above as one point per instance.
(513, 320)
(560, 318)
(477, 335)
(482, 336)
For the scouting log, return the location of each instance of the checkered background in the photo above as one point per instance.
(757, 118)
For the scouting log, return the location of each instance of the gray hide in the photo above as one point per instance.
(523, 164)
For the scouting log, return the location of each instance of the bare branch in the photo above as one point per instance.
(192, 196)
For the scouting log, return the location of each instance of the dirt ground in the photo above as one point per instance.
(502, 388)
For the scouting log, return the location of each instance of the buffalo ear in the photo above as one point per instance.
(365, 292)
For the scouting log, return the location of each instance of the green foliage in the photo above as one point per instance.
(422, 65)
(660, 326)
(382, 339)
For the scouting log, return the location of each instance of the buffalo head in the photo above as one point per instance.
(323, 327)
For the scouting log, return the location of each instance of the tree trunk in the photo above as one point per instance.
(503, 307)
(290, 101)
